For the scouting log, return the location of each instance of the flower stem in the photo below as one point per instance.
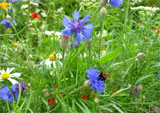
(64, 75)
(100, 39)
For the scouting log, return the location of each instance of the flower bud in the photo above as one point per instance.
(76, 45)
(103, 11)
(103, 2)
(86, 83)
(71, 45)
(96, 100)
(89, 44)
(64, 42)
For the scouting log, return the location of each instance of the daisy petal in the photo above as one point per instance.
(17, 75)
(12, 81)
(9, 70)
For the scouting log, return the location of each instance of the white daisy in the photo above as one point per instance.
(44, 14)
(24, 6)
(6, 75)
(52, 60)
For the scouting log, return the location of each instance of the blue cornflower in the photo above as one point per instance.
(94, 82)
(116, 3)
(77, 27)
(15, 89)
(7, 23)
(5, 94)
(159, 75)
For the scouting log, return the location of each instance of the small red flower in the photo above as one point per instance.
(155, 29)
(159, 32)
(47, 94)
(35, 15)
(83, 88)
(114, 91)
(91, 95)
(53, 100)
(84, 97)
(107, 75)
(62, 95)
(49, 102)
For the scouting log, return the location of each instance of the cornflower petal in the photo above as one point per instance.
(78, 38)
(85, 19)
(76, 15)
(116, 3)
(66, 22)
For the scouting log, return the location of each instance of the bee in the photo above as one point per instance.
(103, 76)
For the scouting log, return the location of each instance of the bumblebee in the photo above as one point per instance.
(103, 76)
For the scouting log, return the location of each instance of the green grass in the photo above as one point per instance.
(128, 34)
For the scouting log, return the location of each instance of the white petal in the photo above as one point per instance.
(1, 79)
(48, 64)
(2, 71)
(59, 55)
(60, 63)
(9, 70)
(54, 64)
(17, 75)
(12, 81)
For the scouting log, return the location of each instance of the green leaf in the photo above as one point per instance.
(147, 76)
(109, 56)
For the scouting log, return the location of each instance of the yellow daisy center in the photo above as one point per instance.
(101, 51)
(52, 57)
(53, 32)
(5, 75)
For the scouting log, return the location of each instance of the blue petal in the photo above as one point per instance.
(67, 31)
(66, 22)
(14, 22)
(5, 94)
(75, 15)
(87, 31)
(78, 38)
(85, 19)
(89, 26)
(116, 3)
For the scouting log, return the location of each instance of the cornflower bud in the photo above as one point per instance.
(64, 42)
(103, 11)
(86, 83)
(76, 45)
(71, 45)
(103, 2)
(96, 100)
(89, 44)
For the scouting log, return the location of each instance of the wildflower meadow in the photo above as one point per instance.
(79, 56)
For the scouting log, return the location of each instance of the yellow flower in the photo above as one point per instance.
(51, 57)
(3, 5)
(53, 32)
(15, 44)
(101, 51)
(5, 75)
